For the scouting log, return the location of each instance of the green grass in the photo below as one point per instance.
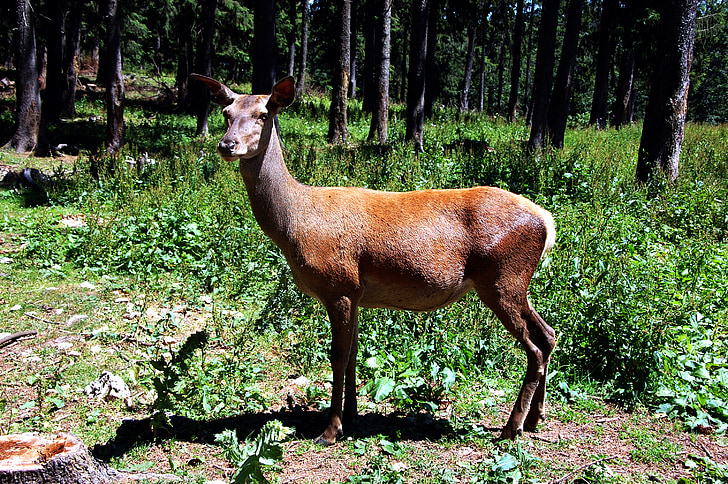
(636, 287)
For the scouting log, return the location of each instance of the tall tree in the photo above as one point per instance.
(353, 33)
(113, 79)
(184, 30)
(264, 54)
(203, 63)
(337, 115)
(516, 62)
(71, 58)
(291, 36)
(558, 111)
(469, 57)
(544, 74)
(27, 98)
(664, 123)
(380, 114)
(598, 115)
(305, 15)
(431, 78)
(415, 113)
(623, 107)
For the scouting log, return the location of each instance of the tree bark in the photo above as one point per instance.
(56, 40)
(433, 19)
(337, 115)
(598, 115)
(380, 115)
(664, 124)
(465, 91)
(114, 80)
(416, 74)
(71, 58)
(516, 63)
(185, 55)
(27, 102)
(353, 27)
(372, 54)
(265, 64)
(624, 98)
(32, 458)
(305, 13)
(203, 64)
(558, 112)
(543, 77)
(527, 94)
(292, 37)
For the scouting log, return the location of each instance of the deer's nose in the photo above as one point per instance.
(226, 146)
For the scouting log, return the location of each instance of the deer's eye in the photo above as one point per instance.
(263, 116)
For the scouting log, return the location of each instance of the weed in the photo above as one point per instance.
(250, 458)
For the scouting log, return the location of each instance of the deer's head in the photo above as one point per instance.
(247, 116)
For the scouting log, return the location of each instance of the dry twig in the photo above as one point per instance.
(579, 469)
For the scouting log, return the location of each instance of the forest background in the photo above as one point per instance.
(636, 286)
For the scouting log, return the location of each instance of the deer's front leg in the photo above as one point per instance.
(342, 314)
(350, 410)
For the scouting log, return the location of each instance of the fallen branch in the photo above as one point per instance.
(13, 338)
(33, 316)
(579, 469)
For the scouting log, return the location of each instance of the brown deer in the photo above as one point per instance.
(419, 251)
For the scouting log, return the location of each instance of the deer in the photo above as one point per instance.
(352, 247)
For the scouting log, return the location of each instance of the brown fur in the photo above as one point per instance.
(421, 250)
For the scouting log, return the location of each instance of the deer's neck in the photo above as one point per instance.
(274, 194)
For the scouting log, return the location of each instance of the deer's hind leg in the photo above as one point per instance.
(508, 300)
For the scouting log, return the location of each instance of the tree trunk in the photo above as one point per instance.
(292, 37)
(416, 76)
(558, 112)
(380, 115)
(664, 124)
(28, 108)
(203, 64)
(543, 77)
(265, 64)
(185, 55)
(353, 27)
(56, 40)
(516, 63)
(465, 91)
(337, 115)
(114, 80)
(32, 458)
(433, 19)
(372, 55)
(624, 97)
(599, 108)
(527, 95)
(300, 88)
(71, 58)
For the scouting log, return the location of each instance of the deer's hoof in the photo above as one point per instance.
(509, 433)
(328, 437)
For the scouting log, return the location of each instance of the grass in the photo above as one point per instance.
(196, 309)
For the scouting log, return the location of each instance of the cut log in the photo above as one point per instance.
(63, 459)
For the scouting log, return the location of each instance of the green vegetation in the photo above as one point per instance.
(636, 288)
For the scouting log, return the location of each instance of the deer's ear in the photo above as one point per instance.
(284, 92)
(221, 94)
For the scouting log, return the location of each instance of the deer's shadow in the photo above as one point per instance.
(307, 423)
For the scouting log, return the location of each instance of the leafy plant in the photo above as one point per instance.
(250, 458)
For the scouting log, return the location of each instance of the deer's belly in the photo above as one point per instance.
(413, 296)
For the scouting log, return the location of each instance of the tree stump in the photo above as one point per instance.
(63, 459)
